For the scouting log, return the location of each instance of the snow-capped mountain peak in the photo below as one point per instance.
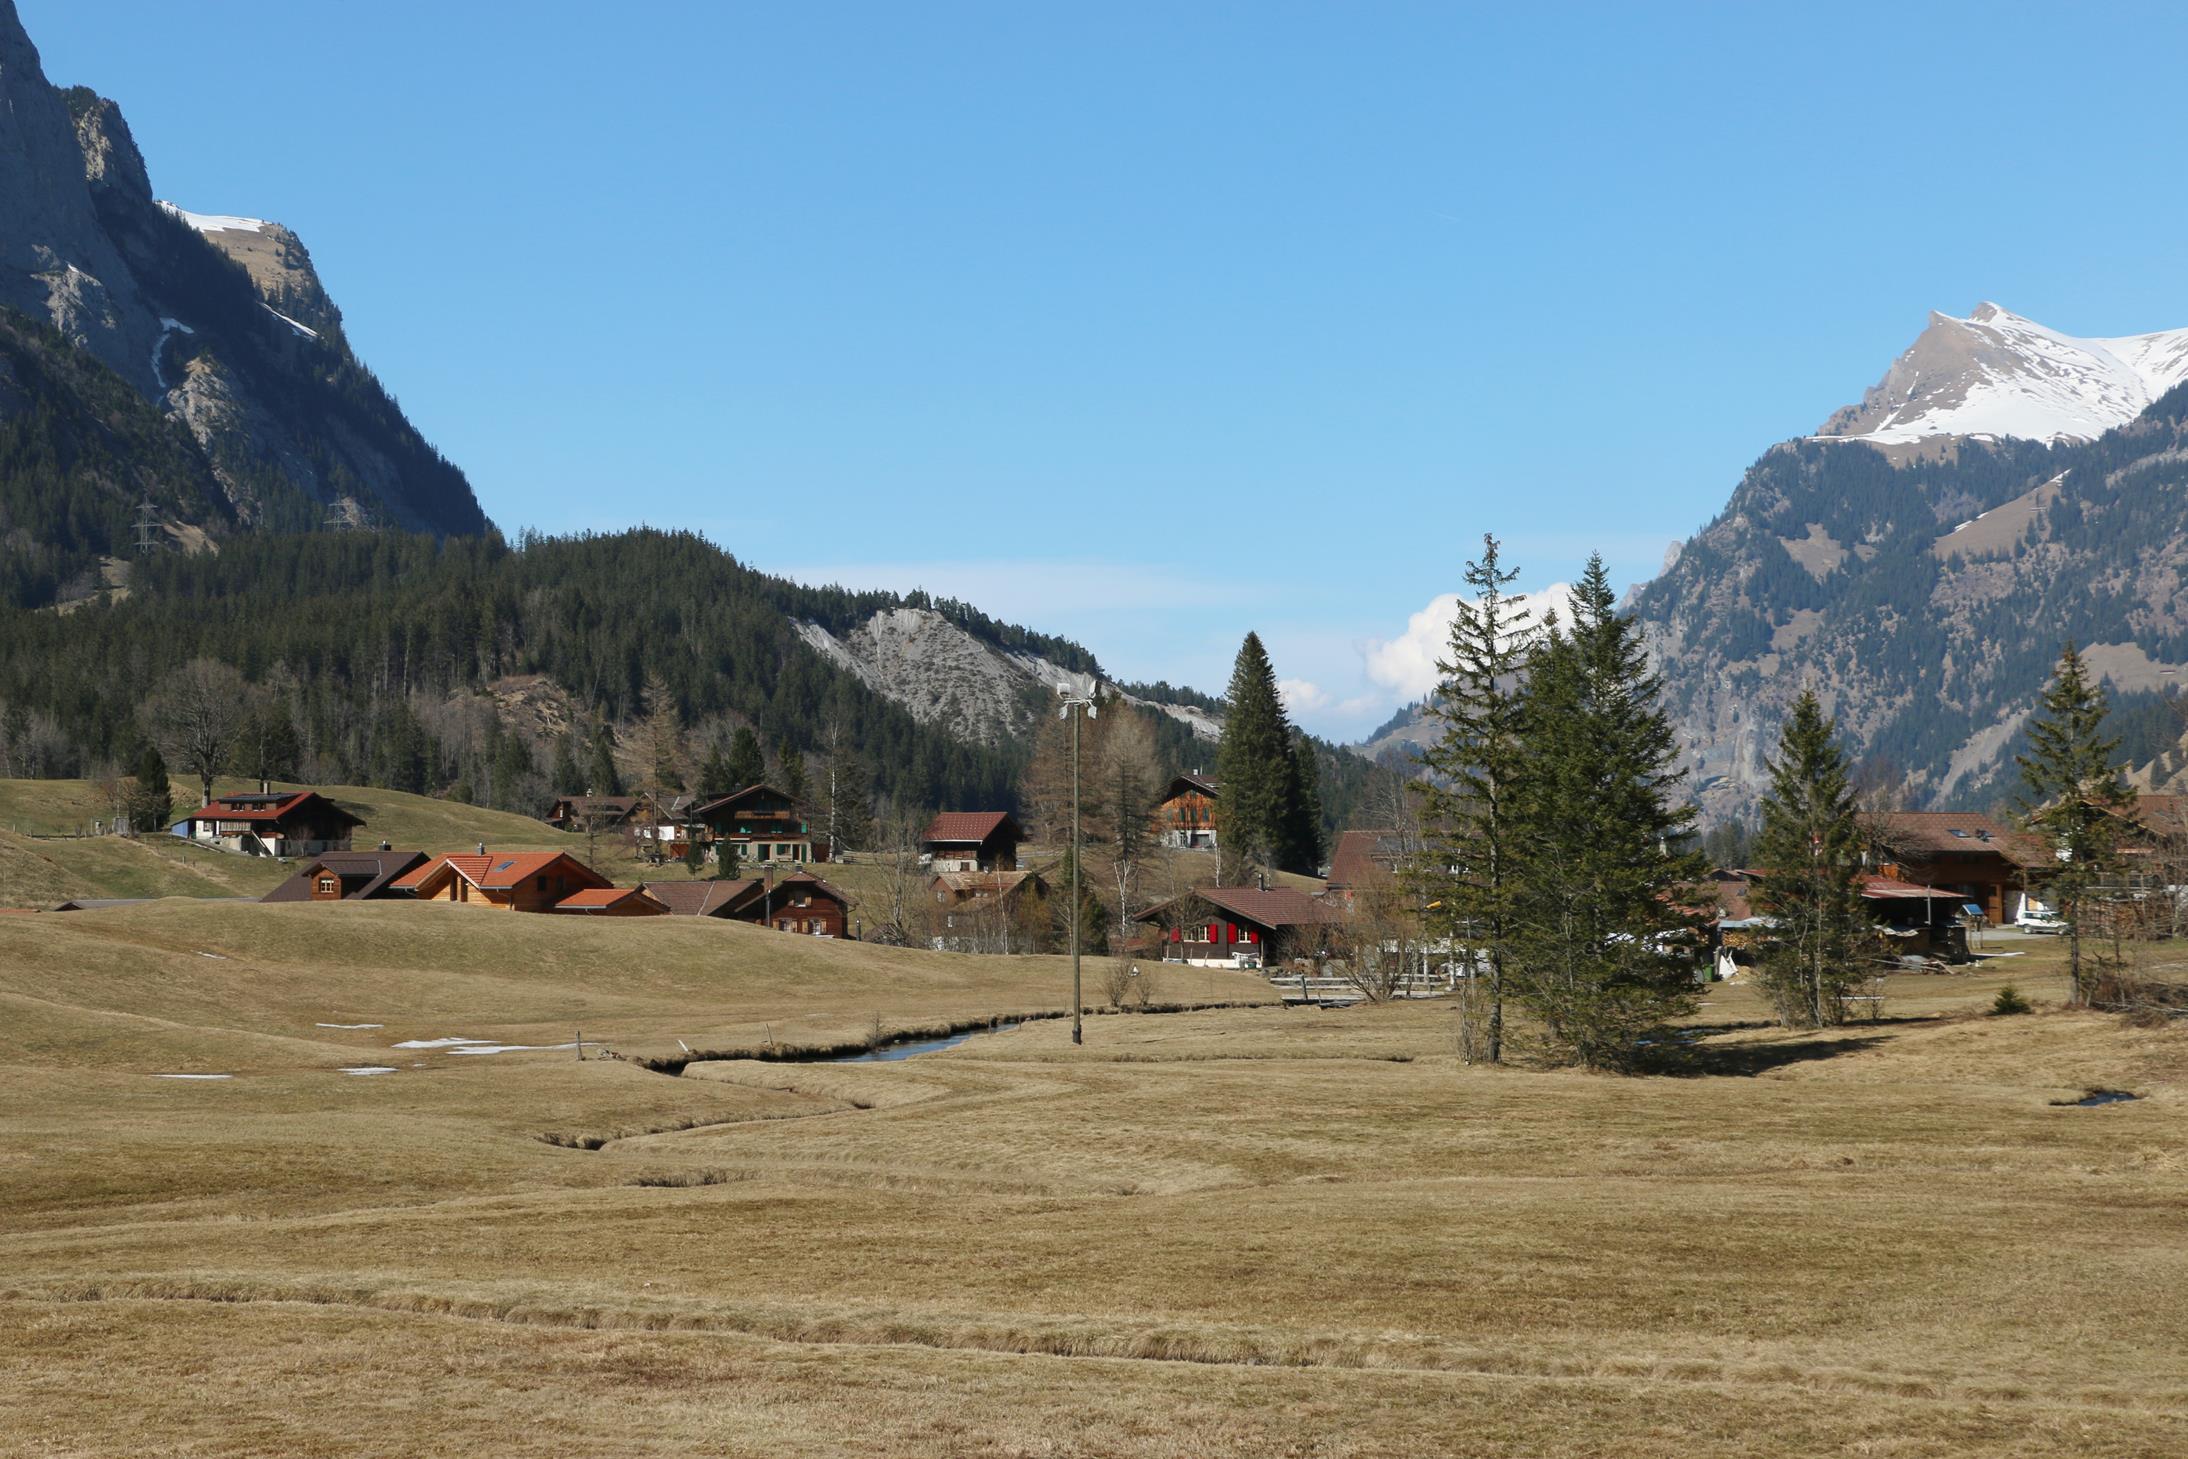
(1995, 373)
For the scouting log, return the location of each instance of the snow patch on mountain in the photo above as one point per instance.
(1996, 374)
(216, 222)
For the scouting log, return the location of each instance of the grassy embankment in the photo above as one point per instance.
(1231, 1233)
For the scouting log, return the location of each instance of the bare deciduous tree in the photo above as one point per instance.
(195, 717)
(904, 879)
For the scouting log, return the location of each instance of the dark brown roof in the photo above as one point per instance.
(968, 886)
(619, 806)
(1360, 854)
(969, 828)
(1272, 908)
(1207, 785)
(700, 809)
(375, 870)
(1921, 834)
(734, 898)
(700, 898)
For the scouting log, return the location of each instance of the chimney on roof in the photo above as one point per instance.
(385, 845)
(265, 787)
(482, 848)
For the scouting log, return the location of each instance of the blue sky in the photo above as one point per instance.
(1150, 324)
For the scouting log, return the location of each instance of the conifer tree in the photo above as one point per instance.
(569, 780)
(1810, 852)
(1599, 879)
(606, 778)
(747, 762)
(1303, 817)
(2074, 797)
(1259, 770)
(791, 770)
(1469, 800)
(715, 776)
(153, 799)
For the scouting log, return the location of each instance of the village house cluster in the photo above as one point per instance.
(1933, 875)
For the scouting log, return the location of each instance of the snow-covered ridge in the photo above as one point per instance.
(1997, 374)
(217, 222)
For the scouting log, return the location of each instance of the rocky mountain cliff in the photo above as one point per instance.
(1920, 565)
(980, 691)
(219, 325)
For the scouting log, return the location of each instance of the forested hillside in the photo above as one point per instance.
(471, 665)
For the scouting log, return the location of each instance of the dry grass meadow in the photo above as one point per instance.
(1246, 1231)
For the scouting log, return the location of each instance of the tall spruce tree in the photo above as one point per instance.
(2074, 798)
(1260, 776)
(152, 800)
(569, 780)
(1469, 801)
(747, 762)
(607, 777)
(1810, 852)
(1601, 950)
(1303, 816)
(715, 776)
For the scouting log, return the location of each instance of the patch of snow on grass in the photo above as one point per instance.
(362, 1070)
(193, 1076)
(216, 222)
(438, 1043)
(349, 1025)
(511, 1048)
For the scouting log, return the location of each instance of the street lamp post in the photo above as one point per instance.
(1070, 703)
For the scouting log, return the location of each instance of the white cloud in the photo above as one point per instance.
(1302, 696)
(1406, 665)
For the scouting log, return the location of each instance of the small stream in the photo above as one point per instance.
(2098, 1097)
(891, 1053)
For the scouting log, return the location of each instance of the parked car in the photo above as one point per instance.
(2038, 918)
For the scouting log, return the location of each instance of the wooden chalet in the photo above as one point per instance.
(799, 903)
(349, 876)
(280, 823)
(988, 911)
(600, 812)
(1241, 927)
(1186, 815)
(1972, 857)
(956, 841)
(514, 881)
(763, 824)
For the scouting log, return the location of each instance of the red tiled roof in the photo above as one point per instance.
(966, 828)
(269, 806)
(594, 899)
(495, 871)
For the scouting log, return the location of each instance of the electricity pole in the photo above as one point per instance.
(1073, 702)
